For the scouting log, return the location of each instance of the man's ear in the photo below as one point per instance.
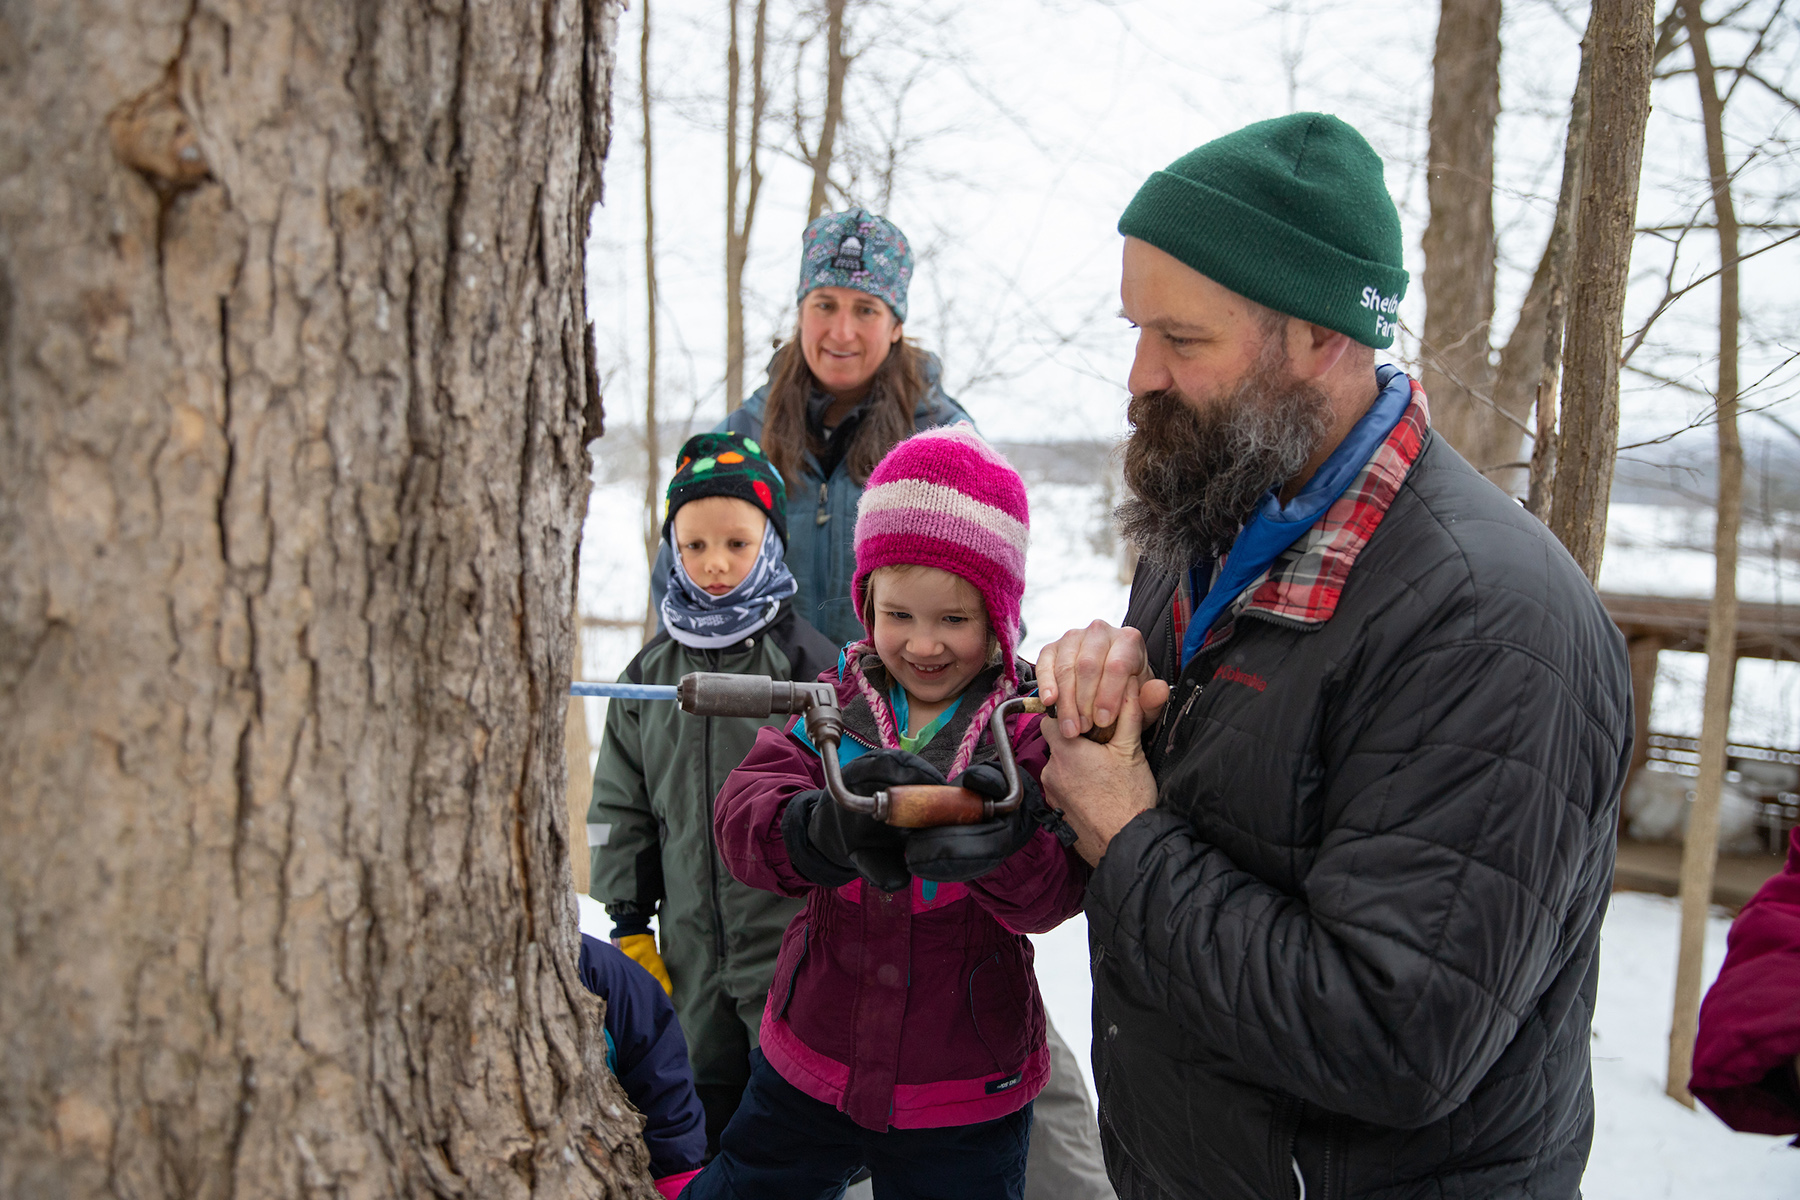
(1313, 350)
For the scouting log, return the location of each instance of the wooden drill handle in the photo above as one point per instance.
(1097, 733)
(927, 805)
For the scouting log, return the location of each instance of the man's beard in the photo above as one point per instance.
(1196, 475)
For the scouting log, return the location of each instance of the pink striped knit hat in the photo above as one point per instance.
(944, 498)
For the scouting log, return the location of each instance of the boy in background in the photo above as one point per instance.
(727, 607)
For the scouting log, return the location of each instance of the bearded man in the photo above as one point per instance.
(1353, 838)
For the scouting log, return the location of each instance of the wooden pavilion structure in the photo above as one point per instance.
(1652, 624)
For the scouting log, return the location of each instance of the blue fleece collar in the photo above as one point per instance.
(1275, 526)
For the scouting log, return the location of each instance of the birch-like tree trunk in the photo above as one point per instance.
(1459, 239)
(1700, 845)
(743, 186)
(836, 66)
(296, 387)
(1620, 37)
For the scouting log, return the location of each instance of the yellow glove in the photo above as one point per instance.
(640, 948)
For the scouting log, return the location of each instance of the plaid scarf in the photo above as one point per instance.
(1302, 586)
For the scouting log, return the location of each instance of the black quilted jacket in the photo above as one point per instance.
(1353, 952)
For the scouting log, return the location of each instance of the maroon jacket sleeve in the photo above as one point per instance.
(747, 817)
(1043, 884)
(1750, 1022)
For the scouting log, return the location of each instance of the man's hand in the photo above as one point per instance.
(1086, 673)
(1100, 788)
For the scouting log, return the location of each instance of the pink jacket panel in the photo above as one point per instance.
(1750, 1021)
(917, 1009)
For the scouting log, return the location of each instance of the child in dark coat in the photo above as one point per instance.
(904, 1031)
(645, 1049)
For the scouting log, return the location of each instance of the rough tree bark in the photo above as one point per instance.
(1700, 845)
(836, 66)
(1620, 35)
(294, 389)
(1459, 239)
(743, 184)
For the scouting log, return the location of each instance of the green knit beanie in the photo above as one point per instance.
(1291, 213)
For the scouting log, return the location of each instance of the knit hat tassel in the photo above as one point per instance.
(1003, 691)
(885, 725)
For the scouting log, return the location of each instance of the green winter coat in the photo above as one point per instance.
(654, 855)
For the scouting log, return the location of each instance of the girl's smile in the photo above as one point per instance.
(930, 629)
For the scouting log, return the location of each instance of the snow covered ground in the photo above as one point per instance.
(1645, 1146)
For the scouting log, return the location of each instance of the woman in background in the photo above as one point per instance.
(841, 392)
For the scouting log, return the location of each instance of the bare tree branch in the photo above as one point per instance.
(1672, 294)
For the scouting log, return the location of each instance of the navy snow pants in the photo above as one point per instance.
(784, 1145)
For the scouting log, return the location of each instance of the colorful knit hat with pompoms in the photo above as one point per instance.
(727, 464)
(944, 498)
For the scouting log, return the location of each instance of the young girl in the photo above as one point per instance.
(904, 1031)
(728, 607)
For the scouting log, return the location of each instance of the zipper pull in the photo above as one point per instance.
(1169, 745)
(823, 495)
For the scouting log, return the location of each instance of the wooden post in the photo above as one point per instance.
(1644, 650)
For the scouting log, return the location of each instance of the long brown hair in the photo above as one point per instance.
(894, 394)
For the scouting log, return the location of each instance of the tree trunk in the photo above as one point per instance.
(1531, 364)
(737, 230)
(1700, 847)
(295, 392)
(1459, 240)
(652, 452)
(1620, 34)
(835, 67)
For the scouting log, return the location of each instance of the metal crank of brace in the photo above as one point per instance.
(907, 806)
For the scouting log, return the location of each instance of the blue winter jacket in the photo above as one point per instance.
(821, 516)
(647, 1052)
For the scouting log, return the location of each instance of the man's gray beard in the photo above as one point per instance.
(1197, 475)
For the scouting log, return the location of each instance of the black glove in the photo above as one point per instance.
(959, 853)
(831, 845)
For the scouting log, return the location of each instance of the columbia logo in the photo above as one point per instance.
(1231, 674)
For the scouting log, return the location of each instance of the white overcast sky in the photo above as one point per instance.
(1028, 126)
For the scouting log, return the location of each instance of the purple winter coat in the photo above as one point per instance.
(917, 1009)
(1750, 1022)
